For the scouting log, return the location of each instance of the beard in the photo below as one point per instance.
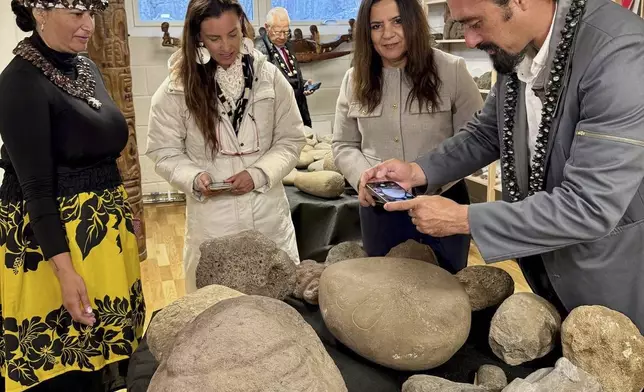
(502, 61)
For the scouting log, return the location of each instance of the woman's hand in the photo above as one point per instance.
(202, 185)
(74, 292)
(242, 183)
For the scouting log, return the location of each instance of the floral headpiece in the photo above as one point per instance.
(82, 5)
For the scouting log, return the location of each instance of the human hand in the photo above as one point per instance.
(202, 185)
(75, 298)
(407, 175)
(434, 215)
(308, 92)
(242, 183)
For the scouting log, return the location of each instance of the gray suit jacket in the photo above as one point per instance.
(588, 226)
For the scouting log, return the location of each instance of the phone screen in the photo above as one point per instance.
(389, 191)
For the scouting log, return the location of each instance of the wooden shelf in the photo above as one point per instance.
(451, 41)
(483, 181)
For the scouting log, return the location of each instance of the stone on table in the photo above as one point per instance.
(487, 286)
(324, 184)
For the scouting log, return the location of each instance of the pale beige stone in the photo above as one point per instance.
(316, 166)
(170, 320)
(318, 154)
(325, 184)
(244, 344)
(400, 313)
(305, 160)
(323, 146)
(606, 344)
(329, 163)
(290, 178)
(307, 148)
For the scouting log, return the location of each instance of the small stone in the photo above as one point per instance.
(307, 148)
(411, 249)
(491, 377)
(325, 184)
(564, 377)
(308, 281)
(329, 163)
(606, 344)
(305, 160)
(525, 327)
(345, 251)
(424, 383)
(326, 138)
(312, 141)
(318, 154)
(486, 286)
(248, 262)
(316, 166)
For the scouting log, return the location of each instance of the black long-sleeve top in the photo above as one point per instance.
(47, 131)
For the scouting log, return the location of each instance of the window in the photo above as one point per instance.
(175, 10)
(319, 10)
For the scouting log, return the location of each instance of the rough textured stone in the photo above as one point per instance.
(248, 343)
(323, 146)
(484, 82)
(290, 178)
(486, 286)
(524, 328)
(400, 313)
(411, 249)
(308, 281)
(305, 160)
(248, 262)
(345, 251)
(325, 184)
(329, 163)
(606, 344)
(491, 377)
(564, 377)
(423, 383)
(307, 148)
(316, 166)
(170, 320)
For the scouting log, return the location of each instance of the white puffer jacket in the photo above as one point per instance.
(271, 138)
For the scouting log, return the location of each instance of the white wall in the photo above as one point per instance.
(149, 69)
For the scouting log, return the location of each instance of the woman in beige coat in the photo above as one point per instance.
(401, 99)
(225, 115)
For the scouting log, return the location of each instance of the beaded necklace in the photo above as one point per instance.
(82, 87)
(553, 89)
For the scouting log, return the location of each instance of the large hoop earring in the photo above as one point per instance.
(203, 55)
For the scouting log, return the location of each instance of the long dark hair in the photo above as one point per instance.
(420, 68)
(198, 80)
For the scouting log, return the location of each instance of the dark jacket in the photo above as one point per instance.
(265, 46)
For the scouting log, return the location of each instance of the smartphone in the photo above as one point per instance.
(313, 87)
(220, 186)
(388, 191)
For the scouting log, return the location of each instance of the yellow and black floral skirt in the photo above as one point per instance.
(39, 338)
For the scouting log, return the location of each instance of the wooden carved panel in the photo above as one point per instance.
(110, 50)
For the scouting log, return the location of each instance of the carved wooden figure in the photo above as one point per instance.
(109, 49)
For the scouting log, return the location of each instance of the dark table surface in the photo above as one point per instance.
(321, 223)
(361, 375)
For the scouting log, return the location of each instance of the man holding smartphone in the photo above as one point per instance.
(566, 120)
(274, 44)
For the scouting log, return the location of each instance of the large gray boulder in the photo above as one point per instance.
(400, 313)
(248, 262)
(248, 343)
(606, 344)
(170, 320)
